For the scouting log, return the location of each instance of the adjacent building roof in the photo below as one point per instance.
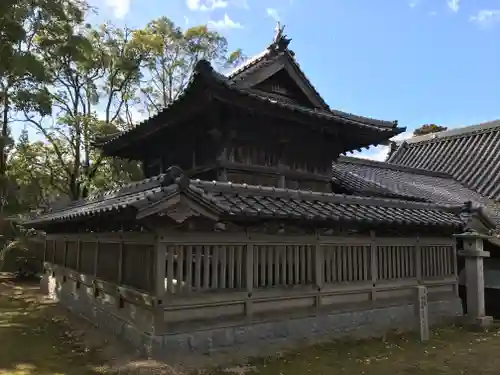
(471, 155)
(367, 177)
(235, 202)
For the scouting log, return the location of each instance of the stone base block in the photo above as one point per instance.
(256, 338)
(479, 323)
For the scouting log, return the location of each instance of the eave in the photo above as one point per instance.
(206, 85)
(240, 203)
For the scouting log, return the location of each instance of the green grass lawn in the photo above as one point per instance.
(452, 350)
(40, 338)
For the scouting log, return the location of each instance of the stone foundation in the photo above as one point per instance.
(245, 338)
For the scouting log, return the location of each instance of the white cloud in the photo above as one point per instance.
(120, 7)
(486, 18)
(380, 152)
(273, 13)
(413, 3)
(225, 23)
(433, 13)
(454, 5)
(186, 20)
(205, 5)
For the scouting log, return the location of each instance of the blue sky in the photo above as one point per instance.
(417, 61)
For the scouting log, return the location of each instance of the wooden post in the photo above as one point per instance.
(120, 262)
(78, 254)
(421, 312)
(65, 254)
(374, 264)
(44, 251)
(282, 182)
(159, 286)
(249, 279)
(455, 266)
(54, 249)
(96, 257)
(418, 260)
(318, 269)
(160, 270)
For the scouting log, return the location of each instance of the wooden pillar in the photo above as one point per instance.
(54, 249)
(44, 251)
(318, 269)
(78, 254)
(249, 278)
(282, 182)
(418, 260)
(120, 262)
(222, 175)
(65, 256)
(455, 266)
(159, 285)
(96, 256)
(373, 264)
(96, 259)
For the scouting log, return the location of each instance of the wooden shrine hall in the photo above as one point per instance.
(240, 234)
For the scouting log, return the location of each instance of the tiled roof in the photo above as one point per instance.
(205, 75)
(269, 56)
(266, 58)
(361, 176)
(471, 155)
(237, 202)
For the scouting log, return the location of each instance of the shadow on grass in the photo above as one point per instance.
(451, 350)
(35, 339)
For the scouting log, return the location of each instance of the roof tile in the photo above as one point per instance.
(471, 155)
(237, 200)
(372, 178)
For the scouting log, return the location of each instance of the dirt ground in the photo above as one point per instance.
(39, 337)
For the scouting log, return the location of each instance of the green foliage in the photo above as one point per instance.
(72, 82)
(428, 129)
(170, 55)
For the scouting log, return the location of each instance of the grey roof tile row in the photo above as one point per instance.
(360, 175)
(236, 201)
(470, 155)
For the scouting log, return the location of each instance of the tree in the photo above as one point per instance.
(91, 77)
(171, 55)
(23, 75)
(32, 171)
(94, 81)
(428, 129)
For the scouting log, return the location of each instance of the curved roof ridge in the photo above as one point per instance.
(456, 132)
(352, 116)
(392, 166)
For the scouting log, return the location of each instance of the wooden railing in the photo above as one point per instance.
(118, 259)
(194, 268)
(198, 277)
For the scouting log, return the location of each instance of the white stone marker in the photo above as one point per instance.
(422, 312)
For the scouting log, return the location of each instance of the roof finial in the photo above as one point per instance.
(280, 41)
(278, 31)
